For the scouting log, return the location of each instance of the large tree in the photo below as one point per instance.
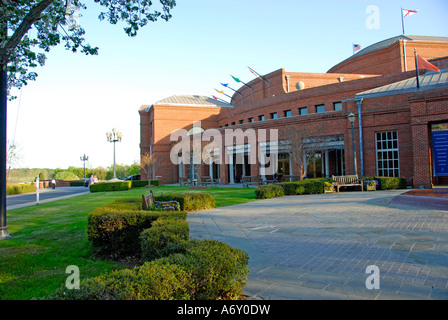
(35, 26)
(30, 28)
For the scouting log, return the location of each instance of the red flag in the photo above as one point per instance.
(423, 64)
(409, 12)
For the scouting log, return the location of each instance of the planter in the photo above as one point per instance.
(329, 190)
(371, 188)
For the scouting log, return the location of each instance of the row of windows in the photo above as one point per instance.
(337, 106)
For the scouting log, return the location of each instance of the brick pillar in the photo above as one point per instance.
(422, 161)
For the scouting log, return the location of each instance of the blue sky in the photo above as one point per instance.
(77, 99)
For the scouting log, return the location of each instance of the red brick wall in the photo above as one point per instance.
(390, 60)
(409, 114)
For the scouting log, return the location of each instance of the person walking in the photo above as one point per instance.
(53, 183)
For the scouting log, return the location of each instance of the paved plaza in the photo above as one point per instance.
(319, 246)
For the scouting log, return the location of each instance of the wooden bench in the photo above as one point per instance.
(149, 200)
(183, 181)
(251, 181)
(347, 181)
(207, 181)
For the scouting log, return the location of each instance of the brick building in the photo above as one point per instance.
(399, 130)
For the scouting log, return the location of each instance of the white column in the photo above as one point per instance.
(181, 169)
(244, 165)
(262, 169)
(290, 166)
(231, 170)
(210, 167)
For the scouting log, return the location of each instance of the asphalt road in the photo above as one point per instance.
(45, 195)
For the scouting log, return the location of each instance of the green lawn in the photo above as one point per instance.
(50, 237)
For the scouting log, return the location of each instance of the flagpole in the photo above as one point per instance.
(223, 93)
(402, 20)
(417, 76)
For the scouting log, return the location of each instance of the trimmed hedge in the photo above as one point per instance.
(190, 201)
(155, 280)
(144, 183)
(77, 183)
(178, 269)
(208, 270)
(218, 271)
(389, 183)
(12, 189)
(115, 228)
(307, 186)
(167, 235)
(269, 191)
(111, 186)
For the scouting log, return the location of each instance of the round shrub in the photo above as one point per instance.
(218, 270)
(166, 236)
(269, 191)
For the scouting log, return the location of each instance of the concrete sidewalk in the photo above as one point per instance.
(319, 246)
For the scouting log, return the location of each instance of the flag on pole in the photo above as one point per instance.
(222, 92)
(356, 47)
(420, 62)
(258, 75)
(406, 13)
(227, 86)
(238, 80)
(216, 98)
(426, 65)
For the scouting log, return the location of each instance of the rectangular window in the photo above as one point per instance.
(233, 123)
(337, 106)
(287, 113)
(250, 120)
(274, 115)
(387, 155)
(241, 121)
(261, 118)
(320, 108)
(303, 111)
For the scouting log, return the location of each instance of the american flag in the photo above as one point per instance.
(356, 47)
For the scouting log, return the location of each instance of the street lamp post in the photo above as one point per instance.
(351, 119)
(84, 158)
(4, 234)
(115, 136)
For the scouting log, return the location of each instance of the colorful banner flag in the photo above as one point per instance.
(238, 80)
(258, 75)
(423, 64)
(216, 98)
(222, 92)
(227, 86)
(356, 47)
